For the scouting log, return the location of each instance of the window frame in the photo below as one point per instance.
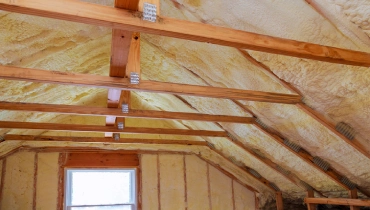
(68, 184)
(100, 160)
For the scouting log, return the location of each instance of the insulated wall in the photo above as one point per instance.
(30, 180)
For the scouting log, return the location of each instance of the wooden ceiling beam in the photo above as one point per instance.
(82, 12)
(100, 111)
(261, 179)
(308, 158)
(338, 201)
(64, 78)
(113, 129)
(11, 137)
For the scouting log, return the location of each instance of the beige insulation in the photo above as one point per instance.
(243, 198)
(149, 181)
(18, 186)
(47, 181)
(196, 183)
(172, 182)
(340, 92)
(221, 190)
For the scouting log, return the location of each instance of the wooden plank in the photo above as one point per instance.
(97, 128)
(98, 111)
(261, 179)
(311, 206)
(353, 195)
(279, 201)
(33, 75)
(10, 137)
(77, 11)
(101, 160)
(338, 201)
(127, 4)
(317, 116)
(291, 177)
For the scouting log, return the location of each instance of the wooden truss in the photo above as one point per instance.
(126, 22)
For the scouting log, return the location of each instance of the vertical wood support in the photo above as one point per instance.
(353, 194)
(310, 206)
(279, 201)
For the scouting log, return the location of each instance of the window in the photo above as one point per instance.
(100, 189)
(99, 181)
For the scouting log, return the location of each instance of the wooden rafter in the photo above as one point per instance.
(261, 179)
(353, 195)
(77, 11)
(43, 76)
(338, 201)
(314, 114)
(311, 206)
(10, 137)
(98, 111)
(98, 128)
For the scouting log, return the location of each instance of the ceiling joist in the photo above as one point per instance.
(64, 78)
(99, 111)
(11, 137)
(113, 129)
(82, 12)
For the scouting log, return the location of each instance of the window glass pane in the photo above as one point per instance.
(93, 187)
(103, 208)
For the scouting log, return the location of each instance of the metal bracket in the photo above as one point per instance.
(321, 163)
(120, 125)
(150, 12)
(134, 78)
(125, 108)
(116, 136)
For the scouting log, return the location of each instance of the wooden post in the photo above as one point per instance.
(311, 206)
(353, 194)
(279, 201)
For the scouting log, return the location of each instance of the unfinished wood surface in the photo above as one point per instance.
(338, 201)
(244, 198)
(43, 76)
(98, 128)
(82, 12)
(11, 137)
(101, 160)
(353, 195)
(127, 4)
(149, 181)
(196, 183)
(172, 184)
(317, 116)
(279, 201)
(221, 190)
(291, 177)
(18, 181)
(246, 170)
(47, 181)
(311, 206)
(100, 111)
(305, 156)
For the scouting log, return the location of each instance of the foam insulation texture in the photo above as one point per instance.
(339, 92)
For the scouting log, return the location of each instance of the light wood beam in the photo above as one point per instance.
(261, 179)
(279, 201)
(78, 11)
(314, 114)
(99, 111)
(311, 206)
(10, 137)
(291, 177)
(98, 128)
(338, 201)
(353, 195)
(43, 76)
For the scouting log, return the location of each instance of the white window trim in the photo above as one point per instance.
(67, 187)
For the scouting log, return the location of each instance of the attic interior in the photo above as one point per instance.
(256, 104)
